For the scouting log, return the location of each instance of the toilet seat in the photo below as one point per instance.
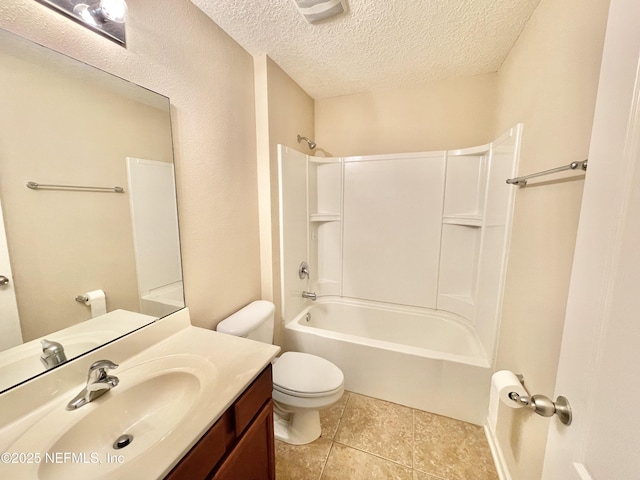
(303, 375)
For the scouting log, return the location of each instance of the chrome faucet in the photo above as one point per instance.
(52, 353)
(98, 383)
(309, 295)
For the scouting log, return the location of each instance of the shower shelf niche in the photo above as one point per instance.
(324, 183)
(325, 217)
(461, 304)
(321, 160)
(463, 220)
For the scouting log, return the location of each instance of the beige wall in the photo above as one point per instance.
(174, 49)
(549, 83)
(58, 127)
(284, 111)
(436, 116)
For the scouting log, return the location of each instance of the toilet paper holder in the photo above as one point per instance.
(544, 406)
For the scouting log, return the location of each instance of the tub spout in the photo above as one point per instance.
(309, 295)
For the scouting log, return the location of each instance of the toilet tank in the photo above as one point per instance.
(255, 321)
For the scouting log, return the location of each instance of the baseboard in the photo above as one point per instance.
(496, 453)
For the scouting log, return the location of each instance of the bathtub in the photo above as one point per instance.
(163, 301)
(424, 359)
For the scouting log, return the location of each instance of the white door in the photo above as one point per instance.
(599, 368)
(10, 334)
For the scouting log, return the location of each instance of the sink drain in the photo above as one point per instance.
(123, 441)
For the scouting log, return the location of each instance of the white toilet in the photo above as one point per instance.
(303, 384)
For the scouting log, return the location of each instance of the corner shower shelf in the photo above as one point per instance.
(472, 151)
(458, 298)
(462, 305)
(325, 217)
(313, 159)
(323, 283)
(465, 220)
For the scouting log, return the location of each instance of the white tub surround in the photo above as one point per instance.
(151, 186)
(427, 231)
(162, 301)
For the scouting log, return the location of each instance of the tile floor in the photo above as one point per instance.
(367, 438)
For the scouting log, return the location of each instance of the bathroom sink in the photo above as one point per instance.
(22, 362)
(175, 383)
(151, 400)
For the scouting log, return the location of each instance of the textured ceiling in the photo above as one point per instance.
(377, 43)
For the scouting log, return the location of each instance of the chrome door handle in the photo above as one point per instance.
(4, 280)
(546, 407)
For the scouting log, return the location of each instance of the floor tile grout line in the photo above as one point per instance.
(332, 440)
(413, 439)
(351, 396)
(346, 403)
(344, 409)
(372, 454)
(326, 460)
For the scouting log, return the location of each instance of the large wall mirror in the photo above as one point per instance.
(89, 246)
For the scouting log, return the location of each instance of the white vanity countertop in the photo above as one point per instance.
(228, 363)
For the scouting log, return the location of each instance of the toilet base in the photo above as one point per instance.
(297, 428)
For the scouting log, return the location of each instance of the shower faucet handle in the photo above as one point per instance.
(303, 270)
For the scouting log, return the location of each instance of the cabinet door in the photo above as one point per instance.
(198, 463)
(253, 458)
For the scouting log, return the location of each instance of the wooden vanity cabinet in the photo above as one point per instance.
(240, 445)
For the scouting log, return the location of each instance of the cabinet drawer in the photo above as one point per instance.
(249, 404)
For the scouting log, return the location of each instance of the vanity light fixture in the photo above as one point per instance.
(105, 17)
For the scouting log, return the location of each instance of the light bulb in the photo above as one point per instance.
(85, 13)
(114, 10)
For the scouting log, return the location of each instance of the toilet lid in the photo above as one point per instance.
(306, 375)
